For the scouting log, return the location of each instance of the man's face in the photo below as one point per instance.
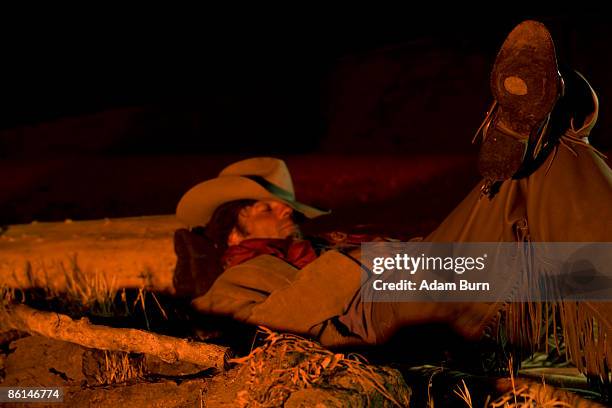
(265, 219)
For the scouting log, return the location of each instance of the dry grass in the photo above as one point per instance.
(527, 396)
(464, 394)
(92, 293)
(287, 363)
(430, 399)
(9, 295)
(119, 367)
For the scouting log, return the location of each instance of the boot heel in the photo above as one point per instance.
(526, 84)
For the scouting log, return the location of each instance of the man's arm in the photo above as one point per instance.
(243, 286)
(321, 290)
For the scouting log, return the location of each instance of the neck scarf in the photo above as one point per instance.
(298, 253)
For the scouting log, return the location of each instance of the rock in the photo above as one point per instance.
(154, 365)
(41, 361)
(321, 398)
(294, 372)
(224, 388)
(165, 394)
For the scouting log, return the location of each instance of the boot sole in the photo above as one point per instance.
(526, 83)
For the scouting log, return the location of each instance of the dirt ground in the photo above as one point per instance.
(301, 375)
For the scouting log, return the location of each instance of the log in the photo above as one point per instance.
(61, 327)
(130, 252)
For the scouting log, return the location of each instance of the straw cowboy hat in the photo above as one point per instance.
(258, 178)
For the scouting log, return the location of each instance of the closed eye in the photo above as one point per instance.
(264, 207)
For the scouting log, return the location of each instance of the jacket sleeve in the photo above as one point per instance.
(299, 302)
(243, 286)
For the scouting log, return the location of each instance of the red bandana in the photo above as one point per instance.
(297, 253)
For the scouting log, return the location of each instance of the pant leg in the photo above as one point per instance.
(480, 219)
(567, 199)
(477, 218)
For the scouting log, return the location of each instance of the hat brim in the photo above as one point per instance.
(197, 205)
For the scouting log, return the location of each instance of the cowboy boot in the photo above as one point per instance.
(526, 84)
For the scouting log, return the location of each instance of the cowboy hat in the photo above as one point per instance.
(258, 178)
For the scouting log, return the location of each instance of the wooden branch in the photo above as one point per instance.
(124, 252)
(61, 327)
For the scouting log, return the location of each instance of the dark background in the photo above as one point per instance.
(119, 117)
